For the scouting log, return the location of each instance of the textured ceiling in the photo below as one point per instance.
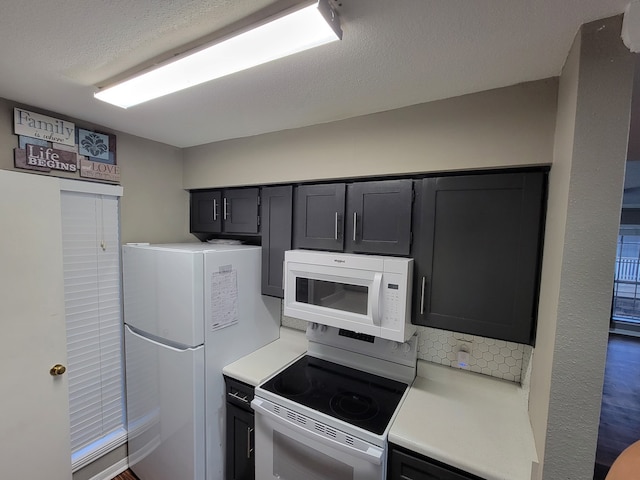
(393, 54)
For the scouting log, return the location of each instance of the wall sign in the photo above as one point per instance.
(43, 127)
(47, 143)
(46, 158)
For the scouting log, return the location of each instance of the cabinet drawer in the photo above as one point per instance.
(407, 466)
(239, 393)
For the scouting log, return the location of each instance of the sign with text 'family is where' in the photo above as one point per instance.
(43, 127)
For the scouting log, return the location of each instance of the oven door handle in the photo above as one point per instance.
(373, 454)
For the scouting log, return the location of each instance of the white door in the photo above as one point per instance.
(34, 409)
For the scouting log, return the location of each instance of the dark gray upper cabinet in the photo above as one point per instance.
(205, 211)
(319, 216)
(360, 217)
(233, 210)
(240, 210)
(276, 214)
(477, 254)
(378, 218)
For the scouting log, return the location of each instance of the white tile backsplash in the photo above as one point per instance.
(496, 358)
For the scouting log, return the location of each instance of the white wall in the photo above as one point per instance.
(497, 128)
(585, 197)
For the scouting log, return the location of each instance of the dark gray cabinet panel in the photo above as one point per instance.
(204, 210)
(477, 250)
(240, 456)
(232, 210)
(378, 217)
(276, 215)
(319, 216)
(240, 210)
(408, 466)
(240, 459)
(361, 217)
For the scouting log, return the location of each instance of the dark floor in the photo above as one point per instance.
(620, 415)
(126, 475)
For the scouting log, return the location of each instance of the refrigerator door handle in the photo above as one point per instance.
(177, 347)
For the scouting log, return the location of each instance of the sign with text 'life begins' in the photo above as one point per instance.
(45, 159)
(43, 127)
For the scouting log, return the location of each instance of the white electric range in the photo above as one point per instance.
(327, 416)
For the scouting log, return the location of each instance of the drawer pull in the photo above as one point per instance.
(238, 396)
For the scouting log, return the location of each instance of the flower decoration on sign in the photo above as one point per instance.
(94, 144)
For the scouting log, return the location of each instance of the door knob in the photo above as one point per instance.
(57, 370)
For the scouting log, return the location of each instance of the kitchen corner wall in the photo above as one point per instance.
(154, 207)
(583, 214)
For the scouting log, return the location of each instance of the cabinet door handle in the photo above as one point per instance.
(424, 281)
(249, 449)
(355, 224)
(237, 396)
(335, 235)
(215, 210)
(224, 211)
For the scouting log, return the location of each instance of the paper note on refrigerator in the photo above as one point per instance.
(224, 299)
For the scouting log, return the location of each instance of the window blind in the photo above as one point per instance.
(91, 261)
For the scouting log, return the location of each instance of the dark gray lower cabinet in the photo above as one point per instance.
(477, 250)
(240, 455)
(276, 213)
(406, 465)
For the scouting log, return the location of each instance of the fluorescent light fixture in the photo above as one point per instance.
(305, 28)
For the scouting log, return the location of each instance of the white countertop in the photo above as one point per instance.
(476, 423)
(256, 367)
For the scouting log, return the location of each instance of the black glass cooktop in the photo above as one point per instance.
(356, 397)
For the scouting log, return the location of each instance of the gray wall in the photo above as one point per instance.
(496, 128)
(154, 206)
(585, 197)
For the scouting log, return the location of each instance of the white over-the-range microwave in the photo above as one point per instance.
(367, 294)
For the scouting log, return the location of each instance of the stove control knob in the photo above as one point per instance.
(406, 348)
(395, 345)
(323, 328)
(314, 326)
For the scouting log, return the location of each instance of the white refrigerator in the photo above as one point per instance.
(189, 310)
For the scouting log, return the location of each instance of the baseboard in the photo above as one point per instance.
(113, 471)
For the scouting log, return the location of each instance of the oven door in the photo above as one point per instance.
(290, 446)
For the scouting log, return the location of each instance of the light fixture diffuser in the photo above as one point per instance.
(305, 28)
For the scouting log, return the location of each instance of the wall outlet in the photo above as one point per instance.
(464, 345)
(463, 353)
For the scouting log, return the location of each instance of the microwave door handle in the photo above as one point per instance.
(376, 288)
